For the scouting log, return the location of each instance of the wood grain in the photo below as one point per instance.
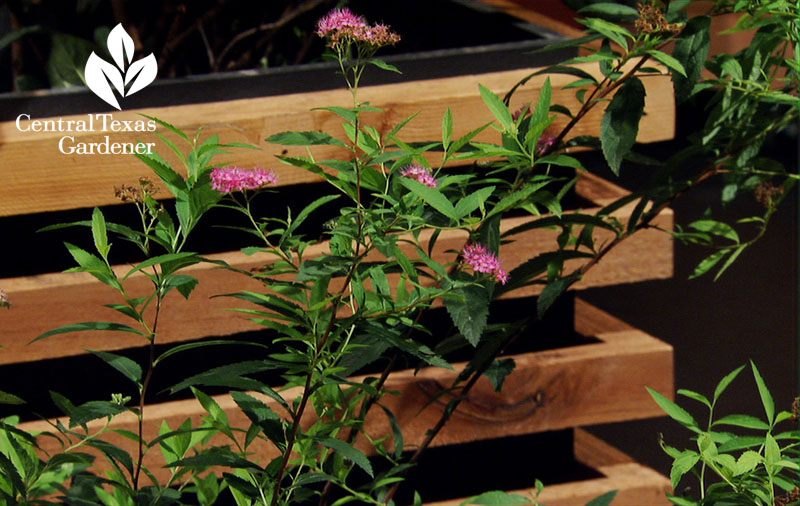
(593, 383)
(44, 302)
(36, 177)
(636, 484)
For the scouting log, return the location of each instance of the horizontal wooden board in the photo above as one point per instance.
(588, 384)
(36, 177)
(44, 302)
(636, 485)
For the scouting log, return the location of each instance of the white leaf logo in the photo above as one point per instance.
(101, 76)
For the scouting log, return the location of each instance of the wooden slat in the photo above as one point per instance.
(646, 255)
(593, 383)
(636, 484)
(36, 177)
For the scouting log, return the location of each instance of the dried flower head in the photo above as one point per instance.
(766, 194)
(796, 409)
(230, 179)
(4, 299)
(421, 174)
(481, 260)
(341, 25)
(128, 193)
(651, 19)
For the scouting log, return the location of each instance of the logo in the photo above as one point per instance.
(127, 77)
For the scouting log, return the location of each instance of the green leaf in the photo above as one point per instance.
(708, 262)
(176, 261)
(497, 498)
(609, 30)
(746, 421)
(608, 10)
(717, 228)
(383, 65)
(620, 124)
(216, 456)
(184, 284)
(447, 128)
(763, 392)
(498, 371)
(306, 212)
(80, 327)
(203, 344)
(93, 265)
(498, 108)
(93, 410)
(7, 398)
(674, 411)
(552, 292)
(305, 139)
(513, 198)
(263, 416)
(694, 395)
(172, 180)
(347, 451)
(99, 233)
(431, 196)
(682, 465)
(397, 431)
(603, 500)
(126, 366)
(473, 201)
(468, 307)
(668, 61)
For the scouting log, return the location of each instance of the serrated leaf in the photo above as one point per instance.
(80, 327)
(473, 201)
(694, 395)
(691, 50)
(608, 10)
(674, 411)
(126, 366)
(498, 371)
(746, 421)
(552, 292)
(764, 393)
(497, 498)
(468, 307)
(620, 124)
(609, 30)
(261, 415)
(668, 61)
(431, 196)
(682, 465)
(499, 108)
(708, 263)
(347, 451)
(603, 500)
(447, 128)
(305, 139)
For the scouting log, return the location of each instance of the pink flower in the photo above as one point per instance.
(339, 20)
(481, 260)
(525, 108)
(545, 145)
(230, 179)
(421, 174)
(342, 25)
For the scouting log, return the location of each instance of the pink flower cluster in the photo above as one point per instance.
(545, 145)
(342, 25)
(231, 179)
(421, 174)
(481, 260)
